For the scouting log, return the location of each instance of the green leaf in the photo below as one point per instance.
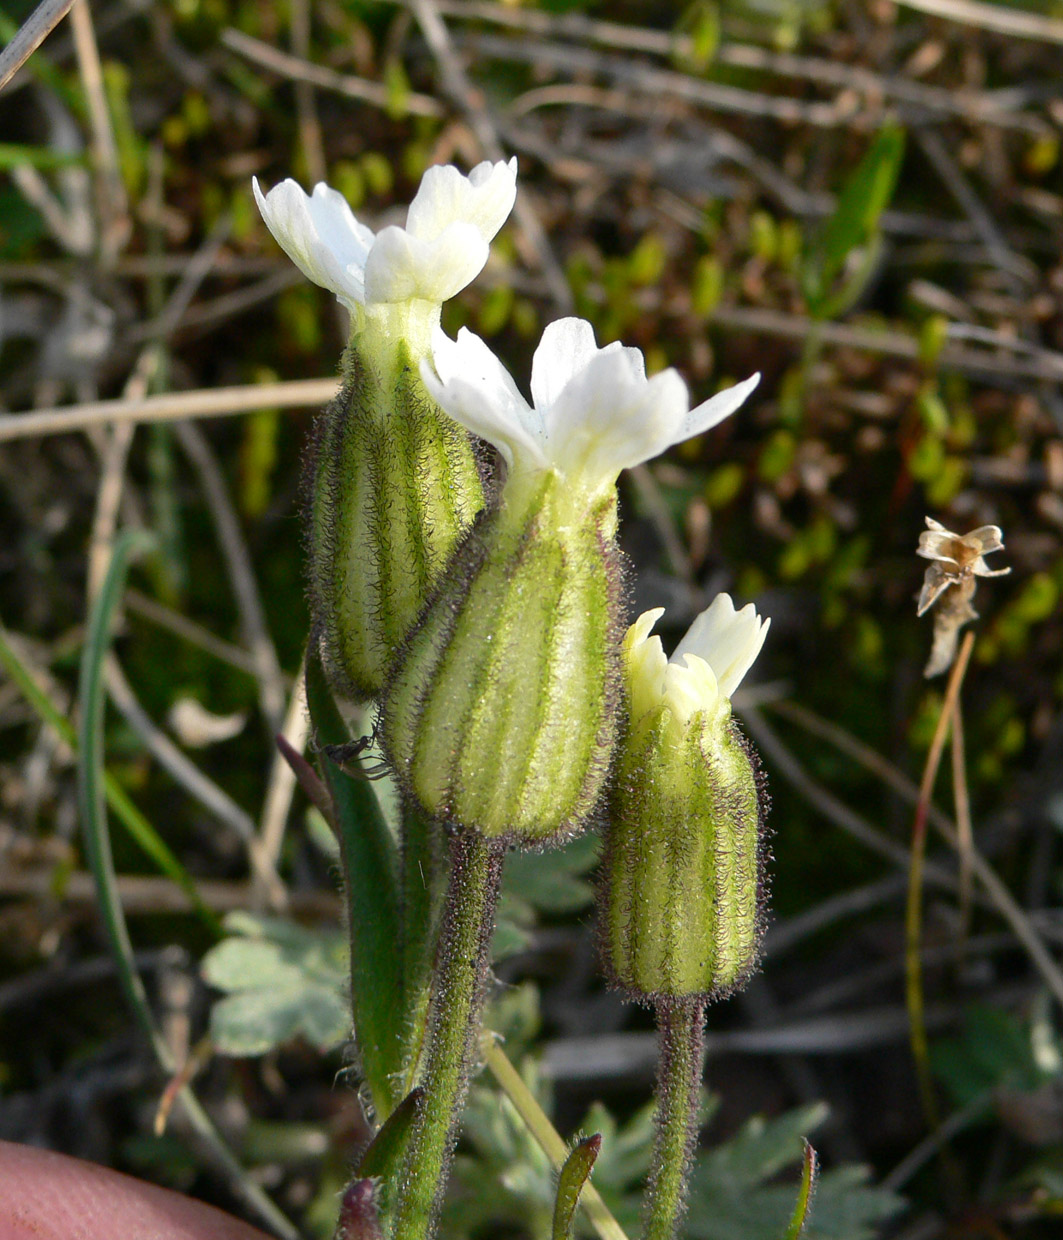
(552, 881)
(993, 1050)
(574, 1174)
(731, 1198)
(283, 981)
(92, 801)
(370, 878)
(804, 1195)
(386, 1148)
(255, 1021)
(863, 198)
(624, 1162)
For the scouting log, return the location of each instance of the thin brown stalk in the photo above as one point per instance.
(189, 630)
(471, 100)
(1022, 925)
(964, 827)
(282, 780)
(171, 407)
(914, 916)
(148, 895)
(299, 70)
(1020, 23)
(115, 225)
(31, 34)
(198, 785)
(241, 573)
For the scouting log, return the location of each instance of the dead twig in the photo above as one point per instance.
(471, 101)
(298, 70)
(241, 573)
(1019, 23)
(203, 789)
(31, 34)
(171, 407)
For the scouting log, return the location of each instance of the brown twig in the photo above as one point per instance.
(31, 34)
(241, 573)
(171, 407)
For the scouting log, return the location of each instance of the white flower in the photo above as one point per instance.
(442, 248)
(708, 664)
(594, 412)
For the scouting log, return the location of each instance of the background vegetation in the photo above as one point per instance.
(863, 202)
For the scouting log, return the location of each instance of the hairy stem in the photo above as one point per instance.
(681, 1026)
(457, 999)
(423, 872)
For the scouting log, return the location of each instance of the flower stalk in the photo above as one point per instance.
(681, 1038)
(457, 1002)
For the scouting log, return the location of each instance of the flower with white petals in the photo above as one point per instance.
(707, 667)
(594, 411)
(443, 247)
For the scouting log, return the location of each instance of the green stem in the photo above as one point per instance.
(681, 1026)
(457, 999)
(422, 877)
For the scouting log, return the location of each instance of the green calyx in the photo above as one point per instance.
(680, 894)
(394, 485)
(500, 715)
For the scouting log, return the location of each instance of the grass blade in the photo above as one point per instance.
(138, 827)
(92, 804)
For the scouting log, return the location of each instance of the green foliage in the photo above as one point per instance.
(854, 223)
(281, 981)
(506, 1157)
(537, 884)
(731, 1197)
(370, 876)
(994, 1049)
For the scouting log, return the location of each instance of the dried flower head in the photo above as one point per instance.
(957, 560)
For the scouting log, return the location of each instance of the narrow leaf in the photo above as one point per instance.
(370, 878)
(804, 1196)
(383, 1153)
(574, 1174)
(91, 800)
(863, 198)
(307, 777)
(138, 827)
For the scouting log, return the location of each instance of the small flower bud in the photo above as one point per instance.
(502, 711)
(681, 888)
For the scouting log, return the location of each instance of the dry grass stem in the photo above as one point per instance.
(171, 407)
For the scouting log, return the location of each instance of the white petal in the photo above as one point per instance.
(320, 234)
(713, 411)
(474, 388)
(728, 640)
(691, 687)
(402, 267)
(483, 199)
(646, 666)
(567, 347)
(610, 417)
